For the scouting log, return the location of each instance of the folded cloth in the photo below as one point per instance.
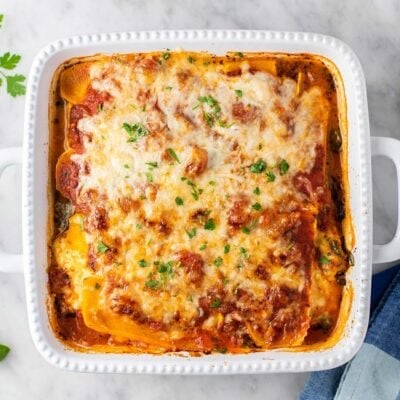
(374, 373)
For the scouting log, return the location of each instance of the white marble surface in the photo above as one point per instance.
(371, 28)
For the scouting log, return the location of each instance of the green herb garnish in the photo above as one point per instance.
(149, 177)
(209, 224)
(196, 192)
(172, 153)
(191, 233)
(101, 247)
(256, 206)
(203, 246)
(324, 260)
(270, 176)
(191, 59)
(245, 230)
(4, 350)
(257, 191)
(239, 54)
(143, 263)
(258, 166)
(283, 167)
(216, 303)
(165, 56)
(179, 201)
(152, 164)
(152, 284)
(97, 286)
(165, 268)
(218, 261)
(8, 61)
(168, 87)
(227, 248)
(238, 92)
(134, 131)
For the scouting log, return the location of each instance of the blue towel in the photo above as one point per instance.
(374, 373)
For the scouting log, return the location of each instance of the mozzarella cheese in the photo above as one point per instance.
(138, 149)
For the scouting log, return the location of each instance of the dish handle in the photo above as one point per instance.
(10, 262)
(389, 252)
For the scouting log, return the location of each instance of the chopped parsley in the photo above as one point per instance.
(216, 303)
(152, 164)
(138, 226)
(256, 206)
(149, 177)
(165, 268)
(152, 284)
(134, 131)
(126, 166)
(218, 261)
(227, 248)
(143, 263)
(97, 286)
(242, 250)
(209, 224)
(165, 56)
(239, 54)
(257, 191)
(191, 59)
(208, 117)
(99, 107)
(196, 192)
(215, 111)
(258, 167)
(283, 167)
(168, 87)
(179, 201)
(270, 176)
(191, 233)
(101, 247)
(172, 153)
(239, 93)
(212, 183)
(245, 230)
(203, 246)
(324, 260)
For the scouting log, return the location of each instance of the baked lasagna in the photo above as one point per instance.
(197, 202)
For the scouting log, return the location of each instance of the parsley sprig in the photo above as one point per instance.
(8, 62)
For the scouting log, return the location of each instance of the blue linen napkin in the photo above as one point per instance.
(374, 373)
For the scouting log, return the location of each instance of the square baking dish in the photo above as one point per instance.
(35, 202)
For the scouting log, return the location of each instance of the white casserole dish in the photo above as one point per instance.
(34, 157)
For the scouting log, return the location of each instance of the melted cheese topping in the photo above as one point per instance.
(183, 158)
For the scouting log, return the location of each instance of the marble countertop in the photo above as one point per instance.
(372, 29)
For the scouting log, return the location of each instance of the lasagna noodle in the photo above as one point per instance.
(197, 185)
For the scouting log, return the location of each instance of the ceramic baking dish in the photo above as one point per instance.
(34, 157)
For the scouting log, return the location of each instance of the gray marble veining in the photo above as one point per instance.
(371, 28)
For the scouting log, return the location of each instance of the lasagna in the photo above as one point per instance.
(197, 203)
